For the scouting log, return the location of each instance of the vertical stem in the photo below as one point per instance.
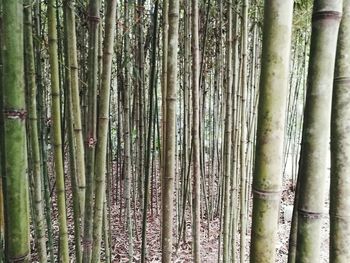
(267, 181)
(126, 126)
(195, 133)
(316, 129)
(93, 20)
(14, 158)
(243, 149)
(170, 133)
(57, 136)
(103, 120)
(33, 131)
(340, 147)
(75, 98)
(152, 88)
(227, 136)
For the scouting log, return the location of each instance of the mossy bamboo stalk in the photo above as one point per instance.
(316, 129)
(267, 181)
(340, 147)
(294, 224)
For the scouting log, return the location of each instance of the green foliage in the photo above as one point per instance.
(302, 15)
(302, 4)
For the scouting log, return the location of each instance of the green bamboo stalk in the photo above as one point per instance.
(106, 233)
(2, 241)
(14, 158)
(294, 224)
(227, 136)
(152, 88)
(75, 98)
(235, 141)
(243, 136)
(267, 181)
(170, 133)
(103, 121)
(41, 108)
(72, 166)
(56, 125)
(217, 121)
(93, 20)
(196, 194)
(165, 27)
(316, 129)
(340, 147)
(71, 143)
(2, 219)
(182, 190)
(140, 95)
(33, 131)
(126, 127)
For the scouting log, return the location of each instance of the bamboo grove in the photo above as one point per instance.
(157, 131)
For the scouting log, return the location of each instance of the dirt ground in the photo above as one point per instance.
(209, 239)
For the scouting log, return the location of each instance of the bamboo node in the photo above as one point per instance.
(309, 214)
(94, 19)
(16, 114)
(266, 194)
(19, 258)
(326, 15)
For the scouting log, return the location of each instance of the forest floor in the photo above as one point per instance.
(209, 233)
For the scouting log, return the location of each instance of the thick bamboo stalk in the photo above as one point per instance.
(316, 129)
(14, 158)
(340, 147)
(267, 181)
